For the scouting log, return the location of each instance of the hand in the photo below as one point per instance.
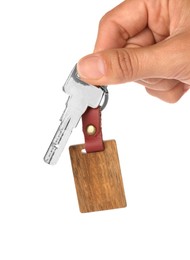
(147, 41)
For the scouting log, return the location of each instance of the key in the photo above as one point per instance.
(81, 96)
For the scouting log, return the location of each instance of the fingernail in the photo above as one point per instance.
(91, 67)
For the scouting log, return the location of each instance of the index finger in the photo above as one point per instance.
(121, 23)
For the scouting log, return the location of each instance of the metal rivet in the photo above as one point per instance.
(91, 130)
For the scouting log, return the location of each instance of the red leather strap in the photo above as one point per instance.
(91, 120)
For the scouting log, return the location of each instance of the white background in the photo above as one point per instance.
(40, 41)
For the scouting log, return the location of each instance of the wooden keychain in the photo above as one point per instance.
(96, 168)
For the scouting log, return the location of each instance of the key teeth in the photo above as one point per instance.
(49, 155)
(50, 162)
(47, 161)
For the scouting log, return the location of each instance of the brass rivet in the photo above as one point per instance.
(91, 130)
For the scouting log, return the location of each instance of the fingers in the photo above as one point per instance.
(170, 96)
(142, 39)
(167, 90)
(159, 84)
(116, 66)
(123, 22)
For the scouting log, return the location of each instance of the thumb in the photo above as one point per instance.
(117, 66)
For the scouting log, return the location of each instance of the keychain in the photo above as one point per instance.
(95, 164)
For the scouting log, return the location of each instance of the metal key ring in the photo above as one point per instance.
(106, 97)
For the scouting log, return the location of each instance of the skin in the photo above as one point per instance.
(146, 41)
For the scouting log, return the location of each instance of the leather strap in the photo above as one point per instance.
(92, 130)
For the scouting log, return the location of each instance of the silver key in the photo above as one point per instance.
(81, 95)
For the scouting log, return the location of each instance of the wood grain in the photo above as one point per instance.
(98, 178)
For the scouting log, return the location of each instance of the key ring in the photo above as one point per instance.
(106, 97)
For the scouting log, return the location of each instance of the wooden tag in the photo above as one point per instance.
(98, 178)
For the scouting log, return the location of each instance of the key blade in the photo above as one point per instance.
(69, 120)
(55, 150)
(58, 143)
